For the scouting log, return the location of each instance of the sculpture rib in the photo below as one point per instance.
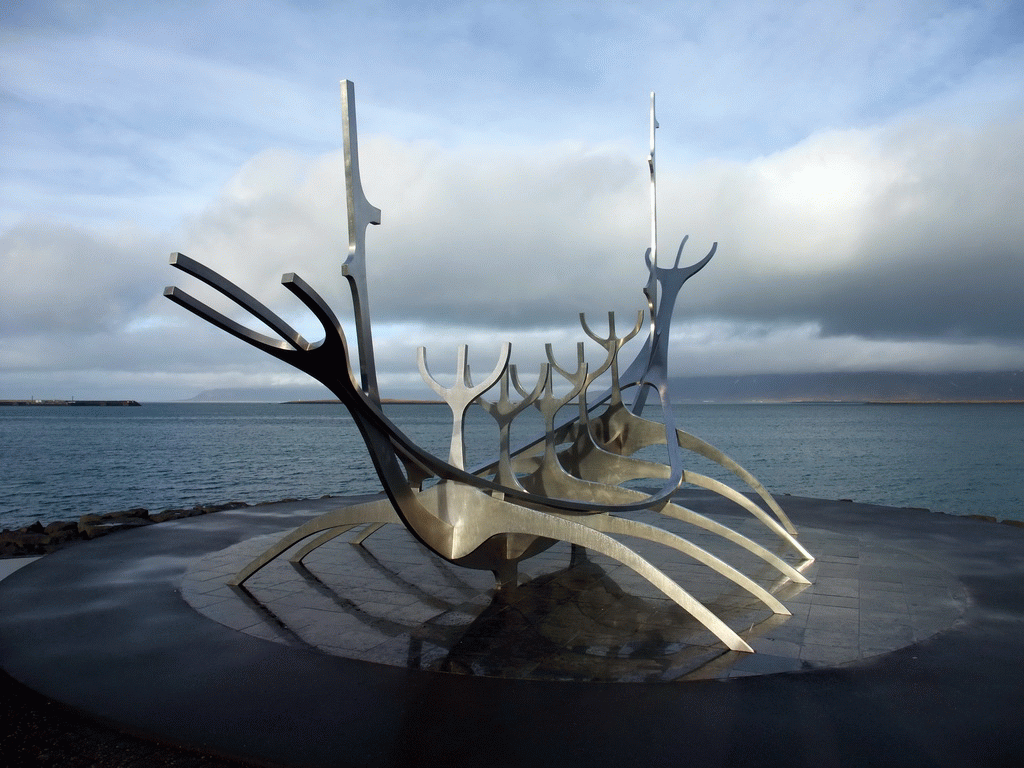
(589, 461)
(687, 515)
(696, 445)
(503, 411)
(515, 519)
(378, 511)
(619, 525)
(710, 484)
(609, 494)
(629, 433)
(462, 393)
(367, 532)
(617, 469)
(319, 541)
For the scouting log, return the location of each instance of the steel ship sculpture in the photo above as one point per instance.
(567, 485)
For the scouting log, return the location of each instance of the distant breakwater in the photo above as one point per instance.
(92, 403)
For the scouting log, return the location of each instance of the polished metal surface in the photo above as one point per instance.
(462, 394)
(504, 412)
(589, 618)
(565, 485)
(360, 215)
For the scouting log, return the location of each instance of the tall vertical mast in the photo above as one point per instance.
(652, 282)
(651, 290)
(360, 214)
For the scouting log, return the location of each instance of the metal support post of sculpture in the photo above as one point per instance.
(360, 215)
(565, 485)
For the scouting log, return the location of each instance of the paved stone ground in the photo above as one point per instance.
(392, 602)
(104, 628)
(37, 731)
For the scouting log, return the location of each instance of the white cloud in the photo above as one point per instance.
(903, 230)
(732, 348)
(55, 277)
(859, 165)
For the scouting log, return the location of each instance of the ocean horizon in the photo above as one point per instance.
(60, 463)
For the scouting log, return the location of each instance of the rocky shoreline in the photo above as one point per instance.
(39, 539)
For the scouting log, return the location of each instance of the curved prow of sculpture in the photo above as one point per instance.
(620, 429)
(327, 361)
(651, 364)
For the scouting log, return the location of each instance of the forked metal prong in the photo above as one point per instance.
(313, 301)
(215, 318)
(243, 299)
(462, 393)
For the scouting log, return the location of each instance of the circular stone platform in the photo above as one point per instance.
(905, 650)
(577, 615)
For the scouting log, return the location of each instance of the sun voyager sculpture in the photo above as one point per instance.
(566, 485)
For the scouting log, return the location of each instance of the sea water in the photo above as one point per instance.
(57, 463)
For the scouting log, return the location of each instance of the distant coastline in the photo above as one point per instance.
(856, 402)
(92, 403)
(836, 387)
(402, 401)
(384, 401)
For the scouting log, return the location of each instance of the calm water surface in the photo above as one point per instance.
(59, 463)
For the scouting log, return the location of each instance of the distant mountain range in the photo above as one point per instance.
(262, 394)
(999, 386)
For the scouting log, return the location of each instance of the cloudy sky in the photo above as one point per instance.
(860, 164)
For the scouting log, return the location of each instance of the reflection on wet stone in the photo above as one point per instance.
(574, 615)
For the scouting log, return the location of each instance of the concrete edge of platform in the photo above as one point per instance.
(12, 564)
